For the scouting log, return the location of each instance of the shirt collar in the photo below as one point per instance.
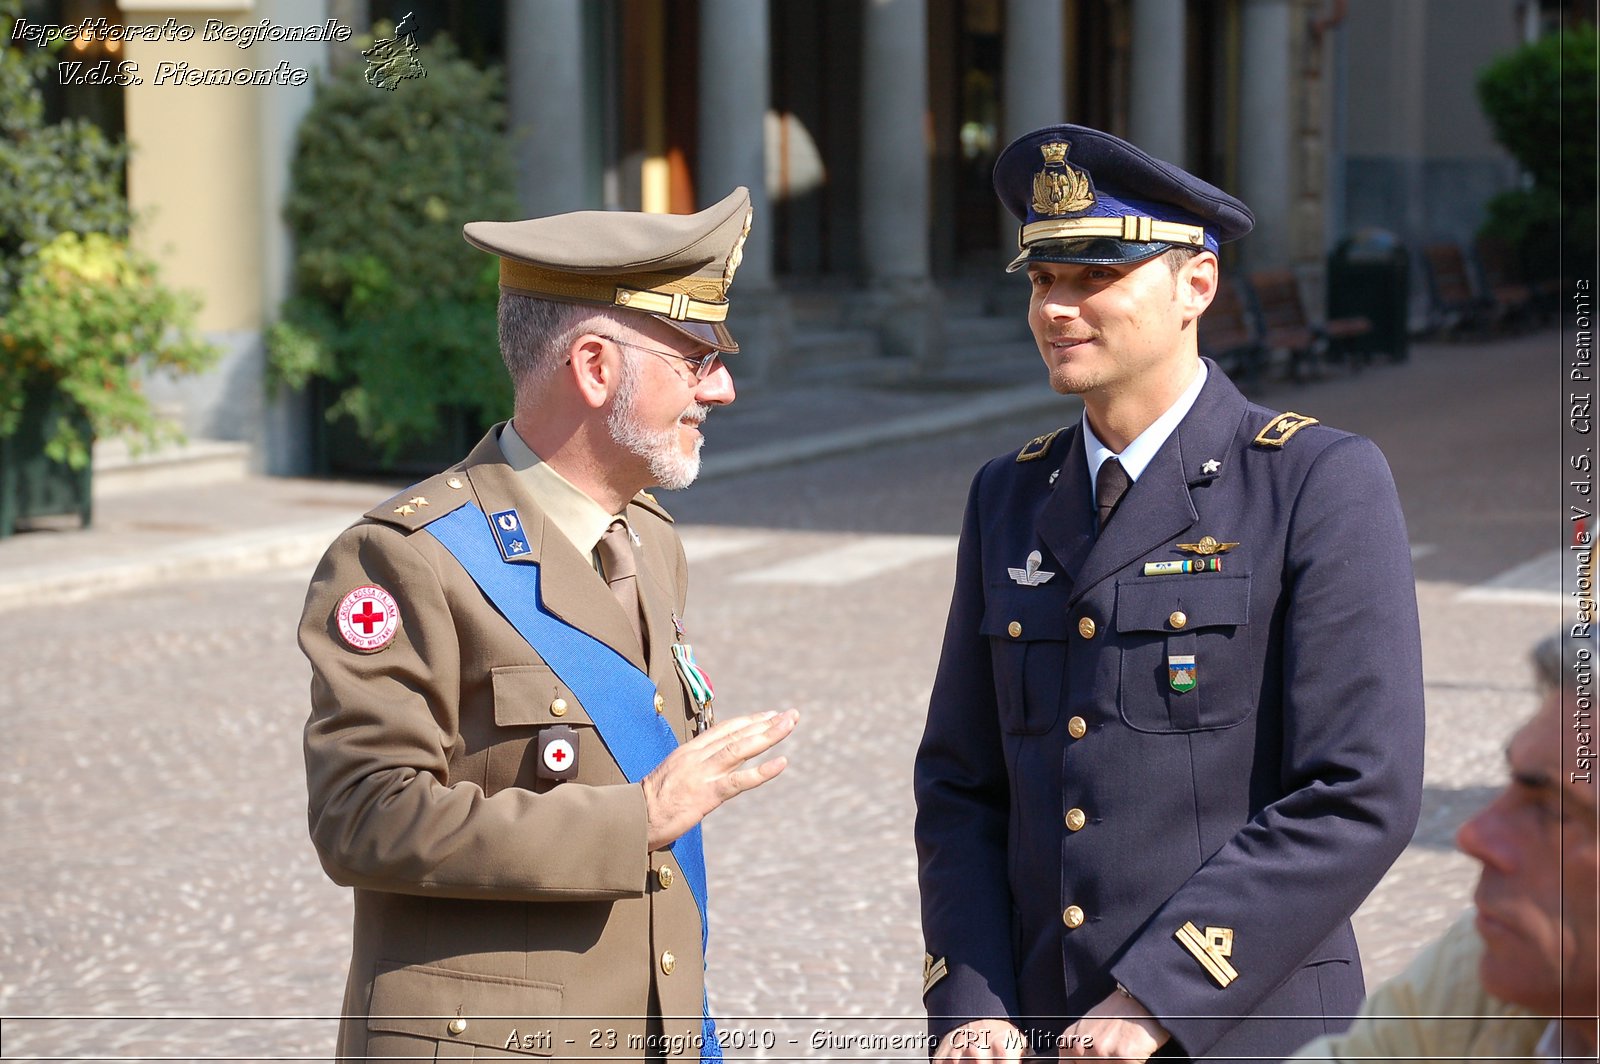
(1137, 455)
(582, 520)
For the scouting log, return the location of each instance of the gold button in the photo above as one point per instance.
(457, 1025)
(664, 876)
(1086, 627)
(660, 702)
(1015, 628)
(1077, 727)
(668, 963)
(1178, 619)
(454, 482)
(1076, 819)
(1072, 916)
(558, 708)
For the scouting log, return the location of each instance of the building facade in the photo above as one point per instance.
(866, 130)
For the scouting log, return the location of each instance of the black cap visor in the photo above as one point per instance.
(1090, 251)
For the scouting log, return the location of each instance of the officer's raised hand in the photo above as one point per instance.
(981, 1040)
(709, 769)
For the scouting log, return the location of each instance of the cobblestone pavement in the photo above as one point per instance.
(155, 862)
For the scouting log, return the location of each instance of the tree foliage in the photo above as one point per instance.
(81, 313)
(1540, 101)
(392, 307)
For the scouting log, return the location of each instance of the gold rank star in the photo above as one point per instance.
(405, 510)
(419, 501)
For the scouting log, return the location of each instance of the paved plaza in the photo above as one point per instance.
(160, 897)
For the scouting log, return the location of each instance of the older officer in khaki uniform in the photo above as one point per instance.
(511, 744)
(1176, 734)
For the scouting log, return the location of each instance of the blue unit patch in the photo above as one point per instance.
(508, 530)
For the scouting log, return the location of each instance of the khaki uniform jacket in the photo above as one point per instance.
(1436, 1010)
(496, 914)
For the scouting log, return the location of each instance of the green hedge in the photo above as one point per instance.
(392, 308)
(1540, 101)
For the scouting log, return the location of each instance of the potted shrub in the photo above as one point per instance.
(82, 317)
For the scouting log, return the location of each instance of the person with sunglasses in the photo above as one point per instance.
(511, 744)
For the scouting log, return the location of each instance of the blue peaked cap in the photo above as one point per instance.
(1086, 196)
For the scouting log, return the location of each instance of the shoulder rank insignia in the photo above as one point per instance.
(1037, 447)
(933, 971)
(1212, 949)
(1276, 433)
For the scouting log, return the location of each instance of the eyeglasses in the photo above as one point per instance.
(704, 365)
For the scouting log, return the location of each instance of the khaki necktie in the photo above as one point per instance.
(622, 572)
(1109, 487)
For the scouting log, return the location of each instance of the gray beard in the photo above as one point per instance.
(670, 468)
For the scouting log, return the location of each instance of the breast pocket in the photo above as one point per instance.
(1027, 633)
(1178, 655)
(526, 699)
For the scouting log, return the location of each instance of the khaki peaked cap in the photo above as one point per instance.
(674, 267)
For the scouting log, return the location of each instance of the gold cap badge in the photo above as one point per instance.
(1060, 188)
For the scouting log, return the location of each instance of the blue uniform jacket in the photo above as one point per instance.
(1082, 822)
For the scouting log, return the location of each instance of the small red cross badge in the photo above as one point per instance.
(368, 618)
(556, 756)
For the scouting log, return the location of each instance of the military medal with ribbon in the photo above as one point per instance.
(695, 679)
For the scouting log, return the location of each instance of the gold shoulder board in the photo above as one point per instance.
(1037, 447)
(1276, 432)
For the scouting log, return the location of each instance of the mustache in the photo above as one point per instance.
(696, 412)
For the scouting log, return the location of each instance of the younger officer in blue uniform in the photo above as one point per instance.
(1176, 734)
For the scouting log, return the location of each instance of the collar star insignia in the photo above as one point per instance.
(405, 510)
(1211, 466)
(1208, 545)
(419, 501)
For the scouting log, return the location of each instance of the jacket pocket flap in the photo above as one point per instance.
(490, 1011)
(1038, 615)
(530, 695)
(1147, 604)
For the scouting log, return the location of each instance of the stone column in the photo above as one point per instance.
(1033, 74)
(1033, 80)
(1266, 94)
(544, 95)
(895, 191)
(735, 89)
(285, 433)
(1156, 112)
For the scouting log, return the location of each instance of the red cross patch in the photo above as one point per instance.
(369, 618)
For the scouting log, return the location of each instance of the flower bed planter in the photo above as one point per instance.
(32, 484)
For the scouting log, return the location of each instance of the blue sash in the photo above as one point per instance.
(619, 698)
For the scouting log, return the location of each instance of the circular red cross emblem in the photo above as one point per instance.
(369, 618)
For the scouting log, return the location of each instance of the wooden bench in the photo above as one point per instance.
(1287, 327)
(1228, 333)
(1454, 304)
